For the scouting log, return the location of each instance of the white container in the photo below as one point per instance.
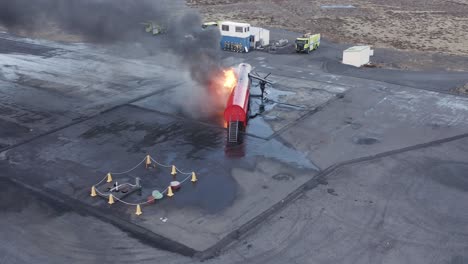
(261, 36)
(357, 55)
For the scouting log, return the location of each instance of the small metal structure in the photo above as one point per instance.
(233, 132)
(262, 82)
(118, 190)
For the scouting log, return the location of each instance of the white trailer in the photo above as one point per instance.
(357, 55)
(242, 37)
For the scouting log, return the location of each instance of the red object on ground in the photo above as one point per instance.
(237, 107)
(150, 199)
(175, 185)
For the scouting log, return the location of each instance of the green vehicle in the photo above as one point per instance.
(209, 24)
(307, 43)
(153, 28)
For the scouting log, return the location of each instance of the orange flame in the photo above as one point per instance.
(230, 79)
(223, 84)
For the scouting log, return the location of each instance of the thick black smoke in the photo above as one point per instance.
(111, 21)
(96, 20)
(198, 47)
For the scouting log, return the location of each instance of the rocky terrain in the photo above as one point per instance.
(434, 26)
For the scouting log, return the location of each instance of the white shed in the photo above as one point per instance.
(261, 36)
(357, 55)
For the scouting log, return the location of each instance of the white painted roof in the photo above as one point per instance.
(235, 24)
(357, 48)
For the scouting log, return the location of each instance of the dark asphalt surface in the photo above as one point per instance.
(11, 46)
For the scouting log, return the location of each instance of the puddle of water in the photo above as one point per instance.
(365, 140)
(273, 96)
(276, 95)
(276, 150)
(258, 127)
(12, 130)
(450, 174)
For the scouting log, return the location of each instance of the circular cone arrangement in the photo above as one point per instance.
(155, 195)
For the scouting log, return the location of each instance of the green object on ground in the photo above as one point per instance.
(153, 28)
(157, 195)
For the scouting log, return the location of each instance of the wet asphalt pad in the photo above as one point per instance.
(231, 191)
(11, 46)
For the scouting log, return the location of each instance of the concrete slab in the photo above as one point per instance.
(404, 208)
(230, 191)
(39, 94)
(39, 232)
(374, 119)
(12, 46)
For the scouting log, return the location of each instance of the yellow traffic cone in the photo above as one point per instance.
(138, 210)
(93, 191)
(111, 199)
(174, 170)
(109, 177)
(194, 177)
(148, 161)
(169, 192)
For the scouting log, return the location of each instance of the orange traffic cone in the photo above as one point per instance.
(194, 177)
(93, 191)
(148, 161)
(138, 210)
(111, 199)
(169, 192)
(109, 177)
(174, 170)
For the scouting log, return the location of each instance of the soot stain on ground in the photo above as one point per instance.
(114, 128)
(283, 177)
(450, 174)
(16, 199)
(365, 140)
(10, 46)
(14, 130)
(197, 136)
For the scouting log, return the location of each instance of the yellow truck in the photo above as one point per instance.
(307, 43)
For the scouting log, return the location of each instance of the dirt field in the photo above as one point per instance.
(425, 25)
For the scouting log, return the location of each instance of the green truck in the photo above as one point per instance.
(153, 28)
(210, 24)
(307, 43)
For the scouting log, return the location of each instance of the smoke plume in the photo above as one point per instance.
(119, 21)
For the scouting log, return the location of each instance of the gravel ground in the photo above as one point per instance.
(435, 26)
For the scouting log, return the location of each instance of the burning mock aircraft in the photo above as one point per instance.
(236, 113)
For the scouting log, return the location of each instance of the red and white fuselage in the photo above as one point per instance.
(237, 107)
